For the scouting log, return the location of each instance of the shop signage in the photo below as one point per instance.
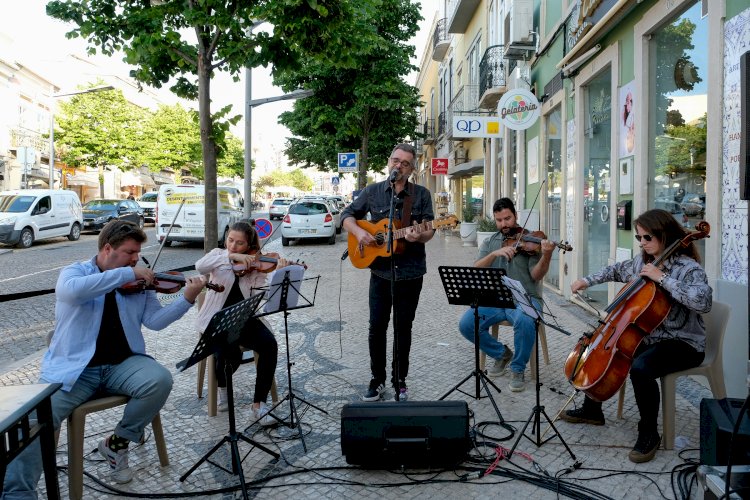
(519, 109)
(584, 16)
(439, 166)
(475, 126)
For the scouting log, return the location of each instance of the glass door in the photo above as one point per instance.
(553, 151)
(596, 181)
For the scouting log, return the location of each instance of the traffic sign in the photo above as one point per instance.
(334, 181)
(348, 162)
(264, 228)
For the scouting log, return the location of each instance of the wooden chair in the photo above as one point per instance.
(212, 385)
(541, 331)
(712, 368)
(76, 425)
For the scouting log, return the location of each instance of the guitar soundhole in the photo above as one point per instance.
(380, 238)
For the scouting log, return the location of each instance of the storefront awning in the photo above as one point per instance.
(467, 169)
(87, 179)
(162, 179)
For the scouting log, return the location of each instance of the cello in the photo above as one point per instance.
(600, 361)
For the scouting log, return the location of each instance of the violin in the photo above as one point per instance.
(263, 263)
(530, 242)
(166, 282)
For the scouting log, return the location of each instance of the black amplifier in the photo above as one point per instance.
(408, 433)
(718, 417)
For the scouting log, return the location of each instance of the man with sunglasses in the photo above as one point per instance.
(678, 343)
(98, 347)
(413, 205)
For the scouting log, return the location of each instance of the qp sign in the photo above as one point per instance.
(465, 126)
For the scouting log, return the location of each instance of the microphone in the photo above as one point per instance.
(393, 176)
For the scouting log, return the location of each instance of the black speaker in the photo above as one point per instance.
(745, 125)
(718, 417)
(408, 433)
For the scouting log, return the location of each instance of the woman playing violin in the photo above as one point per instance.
(234, 267)
(678, 343)
(504, 250)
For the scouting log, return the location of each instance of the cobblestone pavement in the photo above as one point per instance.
(328, 346)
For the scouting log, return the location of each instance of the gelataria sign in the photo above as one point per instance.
(519, 109)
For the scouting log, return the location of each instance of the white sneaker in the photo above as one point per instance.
(223, 404)
(500, 366)
(118, 462)
(263, 416)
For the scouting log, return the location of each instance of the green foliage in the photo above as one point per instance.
(172, 140)
(469, 213)
(368, 107)
(231, 162)
(276, 178)
(487, 225)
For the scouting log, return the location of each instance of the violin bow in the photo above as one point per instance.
(174, 219)
(528, 216)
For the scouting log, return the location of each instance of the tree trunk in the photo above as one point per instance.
(363, 158)
(209, 152)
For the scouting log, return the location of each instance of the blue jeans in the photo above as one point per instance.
(524, 333)
(142, 378)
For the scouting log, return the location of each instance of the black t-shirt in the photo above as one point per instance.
(111, 344)
(235, 294)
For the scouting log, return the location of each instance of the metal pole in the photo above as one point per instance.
(52, 145)
(248, 210)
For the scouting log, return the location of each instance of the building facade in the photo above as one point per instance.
(640, 109)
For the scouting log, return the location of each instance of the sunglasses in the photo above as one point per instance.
(646, 237)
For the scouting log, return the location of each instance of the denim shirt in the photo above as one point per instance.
(80, 292)
(376, 199)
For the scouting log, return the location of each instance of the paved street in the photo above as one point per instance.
(328, 346)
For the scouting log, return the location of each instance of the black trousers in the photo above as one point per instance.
(257, 337)
(404, 308)
(650, 363)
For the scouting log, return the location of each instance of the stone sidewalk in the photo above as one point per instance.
(328, 346)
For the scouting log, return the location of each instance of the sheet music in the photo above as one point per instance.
(520, 296)
(273, 294)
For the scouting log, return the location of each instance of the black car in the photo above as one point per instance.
(96, 213)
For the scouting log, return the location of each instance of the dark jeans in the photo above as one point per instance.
(255, 336)
(650, 363)
(405, 307)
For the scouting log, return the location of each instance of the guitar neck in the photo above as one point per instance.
(401, 233)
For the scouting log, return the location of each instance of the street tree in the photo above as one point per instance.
(99, 130)
(171, 140)
(186, 42)
(369, 107)
(231, 161)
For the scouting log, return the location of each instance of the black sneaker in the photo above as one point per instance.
(375, 391)
(582, 416)
(645, 447)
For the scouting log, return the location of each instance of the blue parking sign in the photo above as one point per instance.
(348, 162)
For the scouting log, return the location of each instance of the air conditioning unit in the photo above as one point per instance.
(519, 23)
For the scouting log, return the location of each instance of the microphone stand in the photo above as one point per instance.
(389, 247)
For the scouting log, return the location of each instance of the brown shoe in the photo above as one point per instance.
(582, 416)
(645, 447)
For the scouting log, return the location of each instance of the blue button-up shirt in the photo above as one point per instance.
(80, 294)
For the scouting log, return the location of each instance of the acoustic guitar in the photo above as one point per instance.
(361, 258)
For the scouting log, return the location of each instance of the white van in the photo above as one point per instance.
(27, 215)
(190, 224)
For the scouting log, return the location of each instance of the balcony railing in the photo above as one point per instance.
(441, 123)
(466, 102)
(440, 40)
(491, 77)
(429, 131)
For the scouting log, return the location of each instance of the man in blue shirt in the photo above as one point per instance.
(98, 347)
(415, 204)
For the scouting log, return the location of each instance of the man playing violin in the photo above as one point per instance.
(678, 343)
(239, 269)
(505, 250)
(98, 347)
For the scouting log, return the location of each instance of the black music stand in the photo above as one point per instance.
(283, 295)
(526, 305)
(475, 287)
(223, 331)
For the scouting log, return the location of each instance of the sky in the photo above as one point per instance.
(39, 41)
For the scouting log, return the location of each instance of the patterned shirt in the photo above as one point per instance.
(687, 285)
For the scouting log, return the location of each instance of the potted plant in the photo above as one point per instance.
(468, 227)
(485, 228)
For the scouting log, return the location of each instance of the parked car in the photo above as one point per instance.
(333, 207)
(668, 204)
(279, 207)
(693, 205)
(96, 213)
(28, 215)
(308, 219)
(148, 203)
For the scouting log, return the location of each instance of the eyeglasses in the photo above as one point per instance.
(402, 163)
(646, 237)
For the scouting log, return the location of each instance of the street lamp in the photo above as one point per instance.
(52, 127)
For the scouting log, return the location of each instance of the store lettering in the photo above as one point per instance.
(587, 9)
(468, 125)
(735, 137)
(517, 109)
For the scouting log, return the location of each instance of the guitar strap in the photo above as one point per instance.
(406, 212)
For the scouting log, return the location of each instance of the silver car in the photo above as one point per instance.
(308, 219)
(278, 208)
